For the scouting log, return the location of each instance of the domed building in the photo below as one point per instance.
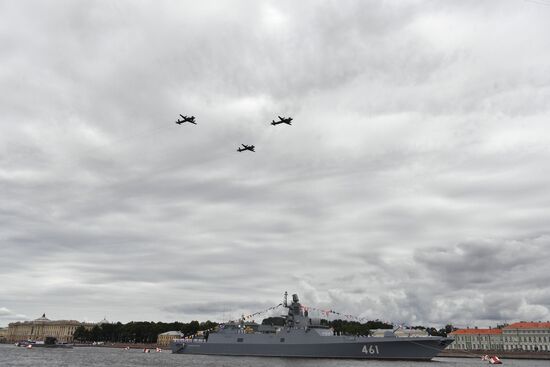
(104, 321)
(42, 327)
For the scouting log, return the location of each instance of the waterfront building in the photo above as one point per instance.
(477, 339)
(527, 336)
(400, 333)
(42, 327)
(166, 338)
(3, 334)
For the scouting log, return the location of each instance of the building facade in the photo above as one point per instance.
(477, 339)
(527, 336)
(42, 327)
(400, 333)
(3, 334)
(166, 338)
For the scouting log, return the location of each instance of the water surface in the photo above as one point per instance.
(11, 355)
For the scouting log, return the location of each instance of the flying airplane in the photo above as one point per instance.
(282, 120)
(246, 147)
(186, 119)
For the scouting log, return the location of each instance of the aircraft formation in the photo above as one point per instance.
(244, 147)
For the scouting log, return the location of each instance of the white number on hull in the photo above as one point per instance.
(372, 349)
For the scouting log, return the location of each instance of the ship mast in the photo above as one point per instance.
(285, 302)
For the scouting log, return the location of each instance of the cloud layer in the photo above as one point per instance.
(411, 187)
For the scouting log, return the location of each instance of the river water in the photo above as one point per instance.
(11, 355)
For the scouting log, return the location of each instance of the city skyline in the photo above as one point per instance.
(411, 186)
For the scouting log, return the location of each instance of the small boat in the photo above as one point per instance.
(494, 360)
(49, 342)
(491, 359)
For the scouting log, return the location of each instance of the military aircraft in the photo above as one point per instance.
(246, 147)
(186, 119)
(282, 120)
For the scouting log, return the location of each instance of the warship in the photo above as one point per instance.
(49, 342)
(305, 337)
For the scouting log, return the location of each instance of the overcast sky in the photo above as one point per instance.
(413, 185)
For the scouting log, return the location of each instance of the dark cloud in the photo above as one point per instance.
(479, 264)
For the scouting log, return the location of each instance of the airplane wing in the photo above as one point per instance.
(182, 116)
(281, 118)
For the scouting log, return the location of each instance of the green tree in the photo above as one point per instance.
(81, 334)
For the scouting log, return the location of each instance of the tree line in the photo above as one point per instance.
(147, 332)
(345, 327)
(136, 332)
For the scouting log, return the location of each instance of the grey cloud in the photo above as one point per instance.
(479, 264)
(212, 308)
(7, 314)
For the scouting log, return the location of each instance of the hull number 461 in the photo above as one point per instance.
(370, 350)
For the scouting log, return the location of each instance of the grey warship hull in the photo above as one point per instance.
(302, 337)
(316, 346)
